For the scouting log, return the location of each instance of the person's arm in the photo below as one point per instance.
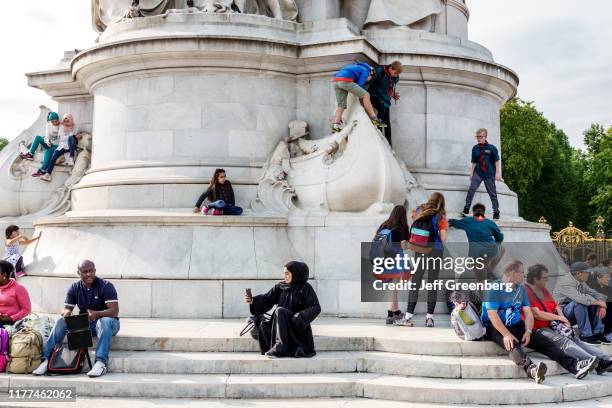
(203, 197)
(497, 234)
(262, 303)
(528, 325)
(12, 241)
(459, 224)
(596, 294)
(544, 316)
(569, 290)
(47, 138)
(111, 300)
(23, 301)
(24, 241)
(232, 198)
(70, 302)
(443, 229)
(313, 309)
(111, 311)
(498, 176)
(509, 339)
(561, 317)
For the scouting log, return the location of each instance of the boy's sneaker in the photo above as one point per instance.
(537, 372)
(602, 339)
(335, 127)
(38, 173)
(69, 162)
(496, 215)
(404, 322)
(20, 274)
(584, 367)
(429, 322)
(378, 123)
(27, 156)
(42, 369)
(465, 212)
(216, 212)
(603, 366)
(609, 336)
(46, 177)
(205, 210)
(98, 370)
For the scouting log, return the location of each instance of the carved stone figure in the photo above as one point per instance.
(107, 12)
(280, 9)
(414, 14)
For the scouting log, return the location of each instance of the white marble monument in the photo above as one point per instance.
(171, 92)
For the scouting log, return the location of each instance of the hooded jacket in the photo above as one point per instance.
(357, 72)
(14, 300)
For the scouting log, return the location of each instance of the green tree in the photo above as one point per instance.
(3, 143)
(538, 164)
(597, 173)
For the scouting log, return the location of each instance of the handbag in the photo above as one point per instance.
(65, 361)
(555, 325)
(253, 323)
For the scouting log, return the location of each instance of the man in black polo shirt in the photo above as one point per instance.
(97, 298)
(485, 167)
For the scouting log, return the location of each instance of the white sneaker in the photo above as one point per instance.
(98, 370)
(42, 369)
(70, 162)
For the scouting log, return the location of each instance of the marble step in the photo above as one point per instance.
(331, 334)
(280, 403)
(411, 389)
(324, 362)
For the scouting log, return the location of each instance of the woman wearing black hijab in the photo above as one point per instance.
(288, 334)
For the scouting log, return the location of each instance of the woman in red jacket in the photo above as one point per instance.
(14, 298)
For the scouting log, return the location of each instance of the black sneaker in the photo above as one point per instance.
(602, 339)
(603, 366)
(590, 339)
(537, 372)
(583, 367)
(496, 215)
(465, 212)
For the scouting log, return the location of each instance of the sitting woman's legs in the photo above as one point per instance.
(232, 210)
(38, 140)
(47, 157)
(56, 155)
(217, 205)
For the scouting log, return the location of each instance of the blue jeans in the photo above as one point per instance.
(489, 183)
(227, 209)
(72, 144)
(585, 317)
(104, 329)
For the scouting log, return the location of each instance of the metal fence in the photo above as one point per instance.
(576, 245)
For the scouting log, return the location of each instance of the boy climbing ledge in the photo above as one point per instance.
(353, 78)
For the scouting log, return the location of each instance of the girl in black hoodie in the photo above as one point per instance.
(288, 334)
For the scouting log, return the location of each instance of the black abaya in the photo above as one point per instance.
(289, 333)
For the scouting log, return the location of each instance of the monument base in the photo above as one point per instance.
(175, 264)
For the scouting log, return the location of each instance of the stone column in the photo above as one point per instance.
(314, 10)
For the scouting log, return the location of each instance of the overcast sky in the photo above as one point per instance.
(561, 49)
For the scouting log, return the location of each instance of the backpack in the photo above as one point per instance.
(381, 245)
(423, 234)
(65, 361)
(4, 347)
(25, 351)
(467, 323)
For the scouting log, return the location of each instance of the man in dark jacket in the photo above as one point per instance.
(288, 334)
(382, 90)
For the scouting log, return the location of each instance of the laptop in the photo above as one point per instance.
(79, 335)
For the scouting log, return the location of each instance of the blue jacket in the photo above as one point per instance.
(358, 73)
(382, 86)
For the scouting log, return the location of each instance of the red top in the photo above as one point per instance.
(545, 304)
(14, 301)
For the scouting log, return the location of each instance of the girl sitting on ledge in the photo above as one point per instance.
(288, 333)
(221, 195)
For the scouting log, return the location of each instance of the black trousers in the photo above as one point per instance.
(607, 321)
(539, 343)
(417, 278)
(384, 114)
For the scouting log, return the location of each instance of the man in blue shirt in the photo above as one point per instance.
(98, 298)
(352, 79)
(485, 167)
